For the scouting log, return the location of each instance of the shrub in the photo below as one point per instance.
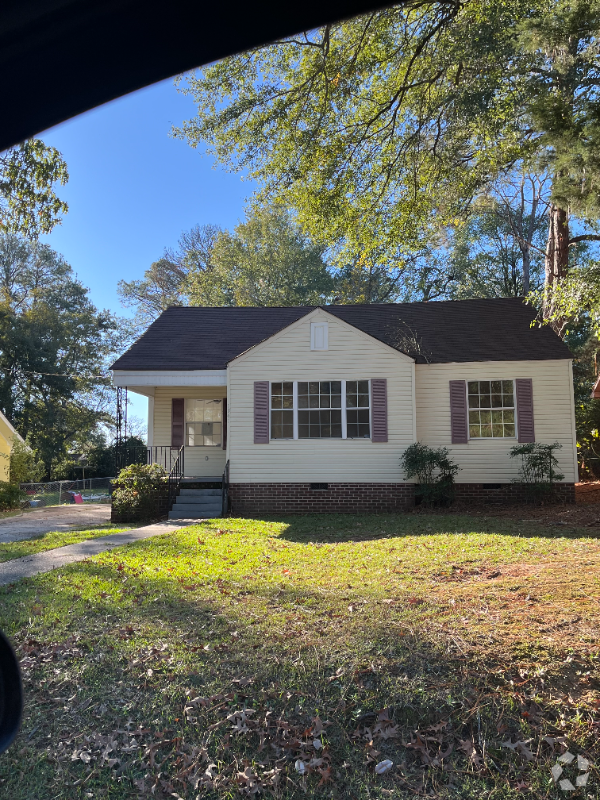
(539, 469)
(434, 472)
(137, 491)
(10, 496)
(25, 466)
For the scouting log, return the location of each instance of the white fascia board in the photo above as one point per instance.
(163, 377)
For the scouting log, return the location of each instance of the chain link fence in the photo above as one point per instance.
(58, 493)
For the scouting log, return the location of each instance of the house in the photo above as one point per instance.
(312, 407)
(7, 436)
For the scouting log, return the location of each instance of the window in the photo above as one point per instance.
(357, 410)
(282, 410)
(491, 409)
(320, 410)
(319, 336)
(204, 423)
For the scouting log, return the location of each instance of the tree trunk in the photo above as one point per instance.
(526, 269)
(557, 257)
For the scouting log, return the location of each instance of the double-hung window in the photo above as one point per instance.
(358, 410)
(204, 423)
(320, 410)
(491, 409)
(282, 410)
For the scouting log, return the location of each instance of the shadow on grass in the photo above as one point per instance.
(332, 528)
(137, 647)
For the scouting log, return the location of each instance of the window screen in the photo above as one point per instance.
(282, 410)
(491, 409)
(320, 410)
(204, 423)
(357, 410)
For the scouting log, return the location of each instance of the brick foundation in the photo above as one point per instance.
(366, 498)
(507, 493)
(338, 498)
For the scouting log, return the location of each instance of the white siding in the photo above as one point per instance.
(351, 355)
(487, 460)
(196, 463)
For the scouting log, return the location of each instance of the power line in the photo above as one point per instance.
(61, 374)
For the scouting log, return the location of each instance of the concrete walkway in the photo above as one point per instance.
(26, 567)
(54, 518)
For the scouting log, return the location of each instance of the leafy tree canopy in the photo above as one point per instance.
(384, 129)
(54, 349)
(266, 261)
(29, 204)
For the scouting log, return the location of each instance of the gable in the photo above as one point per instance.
(342, 340)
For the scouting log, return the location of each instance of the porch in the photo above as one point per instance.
(187, 417)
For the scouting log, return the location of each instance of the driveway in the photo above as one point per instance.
(55, 518)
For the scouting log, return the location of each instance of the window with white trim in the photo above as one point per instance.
(358, 410)
(204, 423)
(321, 410)
(282, 410)
(491, 409)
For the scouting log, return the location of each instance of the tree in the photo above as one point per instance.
(25, 466)
(54, 347)
(266, 261)
(164, 282)
(499, 251)
(384, 129)
(28, 203)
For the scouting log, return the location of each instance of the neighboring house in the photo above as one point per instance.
(313, 407)
(7, 435)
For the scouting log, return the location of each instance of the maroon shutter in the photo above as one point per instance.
(379, 424)
(458, 412)
(524, 392)
(177, 422)
(224, 424)
(261, 412)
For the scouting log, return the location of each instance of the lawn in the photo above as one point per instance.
(291, 656)
(49, 541)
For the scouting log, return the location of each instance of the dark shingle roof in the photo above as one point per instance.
(437, 332)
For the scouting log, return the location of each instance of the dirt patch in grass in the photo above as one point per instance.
(583, 515)
(290, 657)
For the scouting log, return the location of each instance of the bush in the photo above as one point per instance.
(25, 467)
(434, 472)
(539, 469)
(10, 496)
(137, 491)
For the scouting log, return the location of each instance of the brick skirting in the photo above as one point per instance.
(506, 493)
(360, 498)
(338, 498)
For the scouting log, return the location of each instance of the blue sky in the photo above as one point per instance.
(133, 189)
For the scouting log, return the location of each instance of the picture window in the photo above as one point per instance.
(321, 410)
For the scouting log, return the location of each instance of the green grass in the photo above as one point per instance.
(205, 663)
(49, 541)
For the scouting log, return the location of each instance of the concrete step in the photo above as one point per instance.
(198, 501)
(210, 512)
(200, 493)
(199, 507)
